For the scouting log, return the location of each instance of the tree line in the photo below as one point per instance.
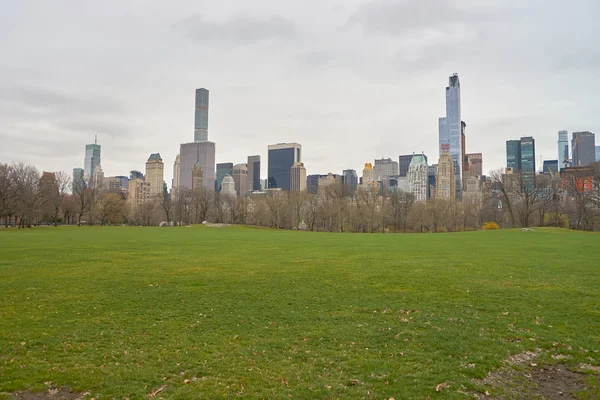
(28, 198)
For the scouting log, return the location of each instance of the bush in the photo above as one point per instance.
(489, 226)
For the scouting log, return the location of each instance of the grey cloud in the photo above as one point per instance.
(237, 30)
(579, 60)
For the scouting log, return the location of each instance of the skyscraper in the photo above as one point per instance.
(175, 182)
(97, 181)
(474, 165)
(513, 155)
(418, 177)
(368, 175)
(563, 149)
(282, 157)
(450, 131)
(78, 181)
(445, 179)
(404, 163)
(298, 177)
(385, 167)
(597, 153)
(350, 179)
(550, 167)
(228, 186)
(253, 173)
(202, 153)
(92, 159)
(240, 177)
(201, 118)
(583, 146)
(155, 174)
(528, 161)
(223, 169)
(197, 177)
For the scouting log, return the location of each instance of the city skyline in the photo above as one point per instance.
(63, 108)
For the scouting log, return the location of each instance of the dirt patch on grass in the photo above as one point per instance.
(522, 378)
(50, 394)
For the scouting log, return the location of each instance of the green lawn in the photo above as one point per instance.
(219, 312)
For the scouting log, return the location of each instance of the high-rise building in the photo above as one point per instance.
(155, 174)
(253, 173)
(463, 146)
(418, 177)
(451, 130)
(368, 175)
(528, 161)
(175, 182)
(404, 163)
(197, 177)
(112, 184)
(240, 177)
(312, 184)
(228, 186)
(98, 177)
(350, 179)
(431, 180)
(124, 183)
(298, 177)
(474, 165)
(281, 158)
(78, 180)
(583, 146)
(202, 153)
(328, 180)
(551, 167)
(201, 117)
(139, 191)
(445, 182)
(513, 155)
(385, 167)
(597, 153)
(92, 159)
(223, 169)
(563, 149)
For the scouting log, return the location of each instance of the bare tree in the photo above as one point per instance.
(166, 206)
(27, 184)
(111, 209)
(400, 204)
(85, 198)
(7, 193)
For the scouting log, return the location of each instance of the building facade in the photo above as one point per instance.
(201, 116)
(418, 177)
(97, 177)
(202, 153)
(197, 177)
(139, 191)
(563, 149)
(298, 177)
(223, 169)
(253, 173)
(445, 179)
(155, 169)
(228, 186)
(597, 153)
(92, 159)
(528, 161)
(551, 167)
(513, 155)
(583, 145)
(175, 182)
(384, 168)
(112, 184)
(240, 177)
(368, 175)
(78, 180)
(403, 164)
(282, 157)
(474, 164)
(450, 131)
(350, 180)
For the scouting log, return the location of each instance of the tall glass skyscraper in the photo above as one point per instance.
(404, 163)
(201, 119)
(450, 131)
(350, 179)
(282, 157)
(253, 172)
(513, 155)
(92, 160)
(563, 149)
(223, 169)
(583, 146)
(528, 161)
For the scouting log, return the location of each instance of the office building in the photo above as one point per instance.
(550, 167)
(282, 157)
(451, 131)
(112, 184)
(528, 161)
(97, 178)
(597, 153)
(253, 173)
(92, 159)
(513, 155)
(228, 186)
(155, 174)
(124, 183)
(328, 180)
(445, 178)
(223, 169)
(583, 146)
(418, 177)
(473, 165)
(175, 181)
(312, 184)
(138, 192)
(385, 167)
(368, 175)
(431, 180)
(240, 177)
(350, 180)
(191, 154)
(563, 149)
(403, 164)
(197, 177)
(201, 116)
(78, 180)
(298, 177)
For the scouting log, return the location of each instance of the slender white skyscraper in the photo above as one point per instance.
(450, 131)
(563, 149)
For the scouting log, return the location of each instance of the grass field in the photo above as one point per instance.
(201, 312)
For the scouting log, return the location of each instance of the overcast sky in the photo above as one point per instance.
(350, 80)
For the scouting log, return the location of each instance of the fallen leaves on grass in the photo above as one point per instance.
(157, 391)
(442, 386)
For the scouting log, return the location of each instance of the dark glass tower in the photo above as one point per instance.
(201, 118)
(282, 157)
